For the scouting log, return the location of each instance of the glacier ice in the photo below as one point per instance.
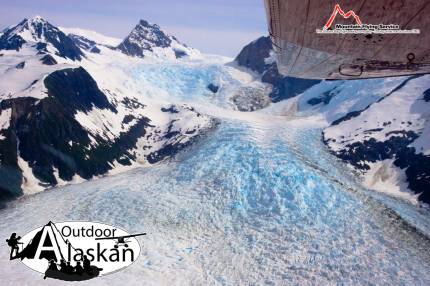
(255, 202)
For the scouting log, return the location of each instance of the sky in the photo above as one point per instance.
(220, 27)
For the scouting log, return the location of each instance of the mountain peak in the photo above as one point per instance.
(38, 30)
(31, 23)
(37, 19)
(147, 37)
(145, 23)
(149, 25)
(31, 29)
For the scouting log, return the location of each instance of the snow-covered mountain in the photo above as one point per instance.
(388, 141)
(64, 119)
(149, 39)
(259, 57)
(379, 127)
(42, 35)
(92, 36)
(89, 40)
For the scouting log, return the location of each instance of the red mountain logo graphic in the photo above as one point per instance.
(338, 10)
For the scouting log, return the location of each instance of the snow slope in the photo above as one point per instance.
(402, 111)
(92, 35)
(66, 119)
(379, 127)
(385, 141)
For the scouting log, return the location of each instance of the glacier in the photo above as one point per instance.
(259, 200)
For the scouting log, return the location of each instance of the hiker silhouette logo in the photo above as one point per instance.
(75, 251)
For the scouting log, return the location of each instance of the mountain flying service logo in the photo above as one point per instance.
(359, 27)
(75, 251)
(338, 10)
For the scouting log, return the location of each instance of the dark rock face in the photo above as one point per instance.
(47, 136)
(171, 109)
(417, 165)
(41, 48)
(95, 50)
(131, 49)
(128, 118)
(144, 37)
(10, 173)
(167, 150)
(131, 103)
(84, 43)
(372, 150)
(254, 55)
(324, 98)
(290, 87)
(40, 31)
(65, 46)
(179, 54)
(171, 149)
(348, 116)
(43, 135)
(48, 60)
(20, 66)
(214, 88)
(271, 75)
(427, 95)
(417, 172)
(11, 41)
(76, 90)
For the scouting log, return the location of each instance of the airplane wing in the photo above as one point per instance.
(303, 52)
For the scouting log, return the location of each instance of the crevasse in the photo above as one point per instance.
(254, 202)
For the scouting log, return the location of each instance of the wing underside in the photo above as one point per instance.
(302, 52)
